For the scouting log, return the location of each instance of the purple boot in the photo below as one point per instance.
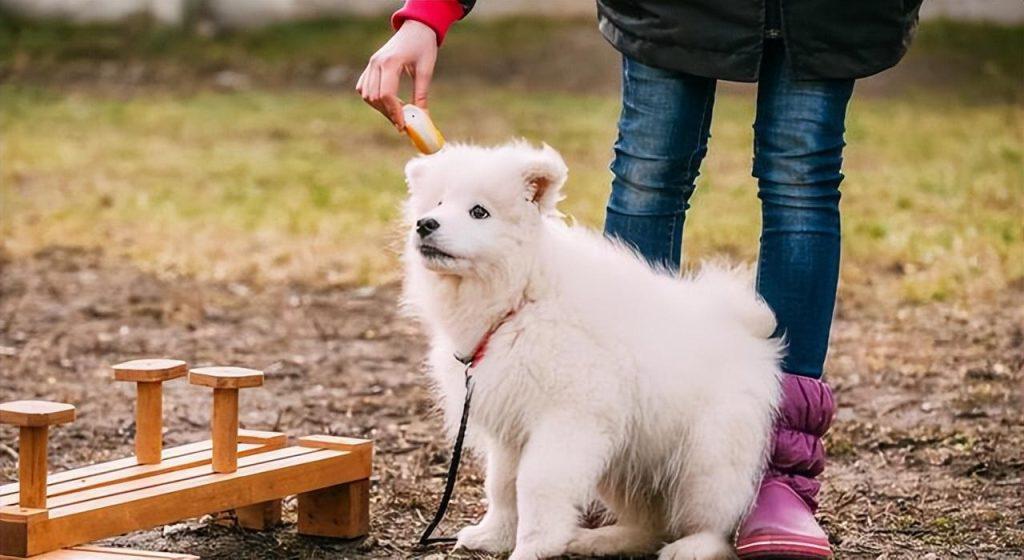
(781, 524)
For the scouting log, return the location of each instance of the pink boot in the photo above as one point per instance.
(781, 524)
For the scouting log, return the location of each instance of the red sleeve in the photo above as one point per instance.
(438, 15)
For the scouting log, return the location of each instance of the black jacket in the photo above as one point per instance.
(725, 38)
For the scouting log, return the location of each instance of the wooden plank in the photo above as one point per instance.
(262, 480)
(135, 554)
(361, 447)
(198, 454)
(108, 466)
(22, 515)
(157, 480)
(133, 473)
(70, 554)
(188, 497)
(335, 442)
(341, 511)
(106, 553)
(263, 438)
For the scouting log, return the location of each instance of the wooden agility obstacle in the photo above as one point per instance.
(246, 471)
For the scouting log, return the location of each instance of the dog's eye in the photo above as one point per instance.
(479, 212)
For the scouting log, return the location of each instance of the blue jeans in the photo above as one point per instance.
(798, 154)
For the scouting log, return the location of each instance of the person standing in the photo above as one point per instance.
(806, 56)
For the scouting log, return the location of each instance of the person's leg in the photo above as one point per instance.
(663, 135)
(798, 153)
(798, 146)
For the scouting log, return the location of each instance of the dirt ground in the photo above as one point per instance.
(925, 454)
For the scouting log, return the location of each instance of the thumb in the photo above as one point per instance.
(421, 85)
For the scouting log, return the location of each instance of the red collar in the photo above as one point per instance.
(481, 347)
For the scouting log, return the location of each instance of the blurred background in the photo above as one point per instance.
(197, 179)
(215, 125)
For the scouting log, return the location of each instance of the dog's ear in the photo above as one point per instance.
(545, 173)
(414, 171)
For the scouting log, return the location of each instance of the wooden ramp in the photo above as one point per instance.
(329, 475)
(246, 471)
(121, 470)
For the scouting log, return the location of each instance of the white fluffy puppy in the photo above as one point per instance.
(603, 380)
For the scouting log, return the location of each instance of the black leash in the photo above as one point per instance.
(453, 467)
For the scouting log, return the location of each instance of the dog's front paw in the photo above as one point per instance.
(699, 546)
(525, 553)
(487, 537)
(538, 551)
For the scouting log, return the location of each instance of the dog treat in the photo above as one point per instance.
(421, 130)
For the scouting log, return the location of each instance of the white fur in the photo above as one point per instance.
(650, 393)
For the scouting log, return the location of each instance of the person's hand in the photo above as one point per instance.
(413, 50)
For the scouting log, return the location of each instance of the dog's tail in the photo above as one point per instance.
(734, 284)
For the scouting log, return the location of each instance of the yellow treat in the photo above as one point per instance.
(421, 130)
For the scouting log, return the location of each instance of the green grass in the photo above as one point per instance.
(304, 184)
(293, 43)
(350, 40)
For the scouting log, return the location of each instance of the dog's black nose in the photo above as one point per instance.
(426, 226)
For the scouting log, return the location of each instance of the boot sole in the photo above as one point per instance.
(783, 547)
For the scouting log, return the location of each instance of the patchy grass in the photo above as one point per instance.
(993, 50)
(272, 183)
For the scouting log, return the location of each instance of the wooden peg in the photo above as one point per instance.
(149, 376)
(34, 419)
(225, 381)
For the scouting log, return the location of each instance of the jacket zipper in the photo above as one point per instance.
(773, 19)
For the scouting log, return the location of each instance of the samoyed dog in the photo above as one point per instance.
(595, 378)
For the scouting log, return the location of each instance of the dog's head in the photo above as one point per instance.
(472, 208)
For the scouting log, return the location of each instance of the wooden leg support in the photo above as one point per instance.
(149, 423)
(225, 430)
(17, 524)
(260, 517)
(32, 466)
(341, 511)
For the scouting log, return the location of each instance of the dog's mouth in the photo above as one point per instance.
(433, 253)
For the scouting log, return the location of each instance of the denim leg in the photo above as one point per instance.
(798, 154)
(663, 136)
